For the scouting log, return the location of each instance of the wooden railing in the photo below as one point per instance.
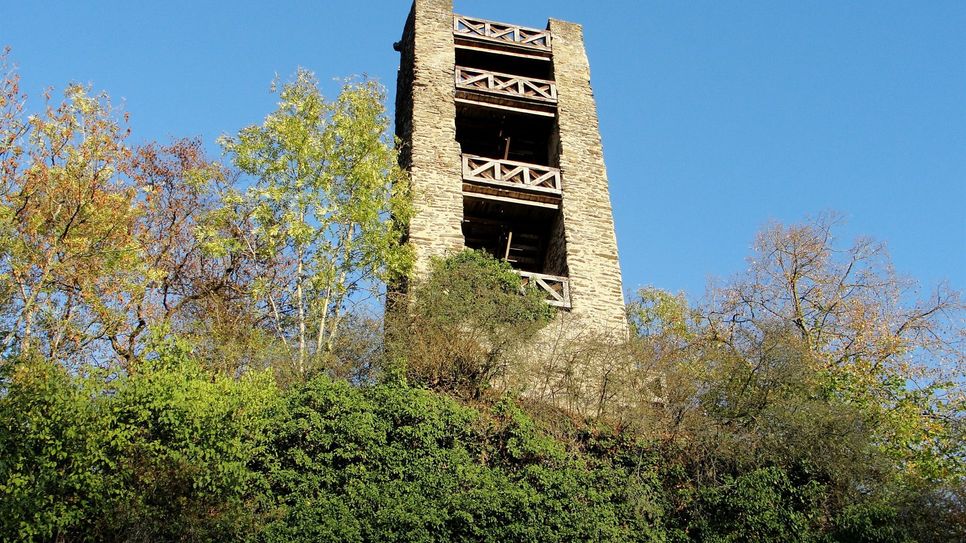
(555, 289)
(510, 85)
(511, 174)
(492, 30)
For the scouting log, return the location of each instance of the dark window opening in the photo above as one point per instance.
(505, 135)
(507, 64)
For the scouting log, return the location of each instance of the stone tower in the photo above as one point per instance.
(500, 136)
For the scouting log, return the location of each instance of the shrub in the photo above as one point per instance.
(394, 463)
(466, 318)
(162, 454)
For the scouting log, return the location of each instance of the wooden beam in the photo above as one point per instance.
(509, 241)
(520, 227)
(483, 103)
(516, 195)
(482, 196)
(499, 48)
(525, 248)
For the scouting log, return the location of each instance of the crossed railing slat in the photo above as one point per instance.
(492, 30)
(556, 289)
(511, 174)
(512, 85)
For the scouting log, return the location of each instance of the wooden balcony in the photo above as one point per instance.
(556, 289)
(514, 86)
(501, 33)
(511, 175)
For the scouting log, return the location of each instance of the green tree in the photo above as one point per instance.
(326, 207)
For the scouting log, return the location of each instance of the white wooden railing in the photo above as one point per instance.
(555, 289)
(492, 30)
(508, 84)
(511, 174)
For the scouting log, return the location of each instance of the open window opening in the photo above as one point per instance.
(517, 233)
(537, 68)
(505, 135)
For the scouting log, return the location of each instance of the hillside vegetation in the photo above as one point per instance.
(196, 351)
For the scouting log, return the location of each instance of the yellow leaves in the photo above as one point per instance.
(79, 257)
(154, 274)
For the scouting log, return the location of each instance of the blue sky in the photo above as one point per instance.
(717, 117)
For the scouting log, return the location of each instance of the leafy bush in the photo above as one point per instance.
(162, 454)
(465, 320)
(173, 453)
(870, 523)
(761, 505)
(394, 463)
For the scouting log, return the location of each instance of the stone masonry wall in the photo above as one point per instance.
(426, 123)
(585, 246)
(431, 153)
(594, 269)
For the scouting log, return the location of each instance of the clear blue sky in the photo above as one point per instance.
(716, 116)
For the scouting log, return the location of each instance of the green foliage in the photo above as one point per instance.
(655, 312)
(871, 523)
(174, 453)
(326, 207)
(465, 320)
(53, 444)
(474, 288)
(393, 463)
(760, 505)
(163, 454)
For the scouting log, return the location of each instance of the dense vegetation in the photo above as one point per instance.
(188, 356)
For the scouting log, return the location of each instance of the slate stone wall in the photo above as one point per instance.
(586, 246)
(595, 275)
(426, 123)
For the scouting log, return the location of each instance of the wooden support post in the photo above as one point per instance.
(509, 242)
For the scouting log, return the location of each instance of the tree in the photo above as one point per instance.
(98, 239)
(820, 363)
(861, 327)
(68, 249)
(326, 207)
(181, 285)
